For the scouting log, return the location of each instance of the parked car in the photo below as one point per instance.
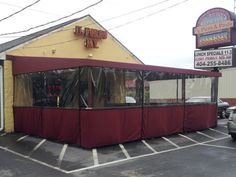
(231, 124)
(229, 110)
(222, 106)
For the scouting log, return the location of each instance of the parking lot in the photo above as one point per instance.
(200, 152)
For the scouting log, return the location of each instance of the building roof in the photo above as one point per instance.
(16, 42)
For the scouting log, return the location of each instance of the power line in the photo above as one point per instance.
(135, 11)
(127, 23)
(19, 11)
(105, 20)
(36, 10)
(149, 15)
(67, 16)
(119, 16)
(138, 10)
(124, 14)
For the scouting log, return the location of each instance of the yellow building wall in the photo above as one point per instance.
(62, 44)
(8, 96)
(65, 44)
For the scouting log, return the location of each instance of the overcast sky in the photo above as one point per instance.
(160, 34)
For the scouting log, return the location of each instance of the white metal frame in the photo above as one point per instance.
(1, 99)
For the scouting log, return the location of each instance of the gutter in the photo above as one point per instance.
(1, 99)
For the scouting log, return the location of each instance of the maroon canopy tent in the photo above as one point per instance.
(95, 103)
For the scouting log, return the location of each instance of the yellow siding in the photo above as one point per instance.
(67, 45)
(8, 96)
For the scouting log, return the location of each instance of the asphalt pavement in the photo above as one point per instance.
(208, 153)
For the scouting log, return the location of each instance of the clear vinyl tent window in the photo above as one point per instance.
(162, 88)
(123, 87)
(61, 88)
(109, 87)
(133, 87)
(83, 87)
(99, 87)
(115, 87)
(23, 90)
(57, 88)
(199, 89)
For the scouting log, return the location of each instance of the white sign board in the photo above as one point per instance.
(213, 58)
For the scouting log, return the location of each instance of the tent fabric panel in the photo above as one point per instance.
(131, 125)
(200, 117)
(99, 127)
(51, 123)
(162, 121)
(110, 126)
(25, 122)
(212, 117)
(61, 124)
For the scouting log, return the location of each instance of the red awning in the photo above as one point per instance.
(22, 64)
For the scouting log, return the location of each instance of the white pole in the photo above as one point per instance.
(1, 99)
(234, 6)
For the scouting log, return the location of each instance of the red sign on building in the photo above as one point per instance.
(91, 36)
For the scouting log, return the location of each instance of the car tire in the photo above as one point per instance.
(233, 135)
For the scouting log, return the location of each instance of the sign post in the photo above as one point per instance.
(214, 29)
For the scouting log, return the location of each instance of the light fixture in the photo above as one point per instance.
(53, 51)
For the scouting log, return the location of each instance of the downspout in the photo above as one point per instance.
(1, 98)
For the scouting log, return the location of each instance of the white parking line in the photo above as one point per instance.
(171, 142)
(117, 161)
(189, 138)
(3, 134)
(145, 155)
(63, 151)
(21, 138)
(95, 157)
(34, 160)
(150, 147)
(205, 135)
(213, 140)
(136, 157)
(219, 131)
(37, 146)
(218, 146)
(124, 151)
